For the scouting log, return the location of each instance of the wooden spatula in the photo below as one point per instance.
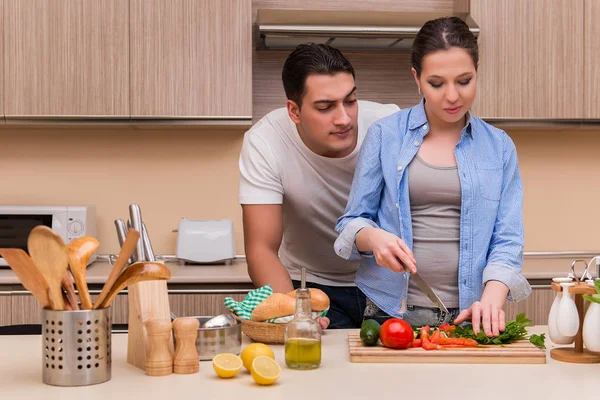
(80, 250)
(49, 253)
(137, 272)
(29, 275)
(129, 246)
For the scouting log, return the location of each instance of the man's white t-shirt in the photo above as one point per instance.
(277, 168)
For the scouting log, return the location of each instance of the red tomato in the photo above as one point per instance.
(396, 334)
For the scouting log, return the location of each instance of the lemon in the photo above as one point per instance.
(226, 365)
(265, 370)
(254, 350)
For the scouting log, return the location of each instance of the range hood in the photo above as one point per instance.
(350, 30)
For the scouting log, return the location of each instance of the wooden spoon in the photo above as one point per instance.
(49, 253)
(80, 250)
(29, 275)
(129, 246)
(137, 272)
(67, 285)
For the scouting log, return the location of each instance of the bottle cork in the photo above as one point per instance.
(159, 361)
(186, 354)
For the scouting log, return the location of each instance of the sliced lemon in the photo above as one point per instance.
(265, 370)
(226, 365)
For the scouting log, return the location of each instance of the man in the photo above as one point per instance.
(296, 167)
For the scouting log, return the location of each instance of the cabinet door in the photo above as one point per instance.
(531, 59)
(25, 310)
(191, 58)
(5, 307)
(208, 305)
(536, 307)
(591, 41)
(66, 58)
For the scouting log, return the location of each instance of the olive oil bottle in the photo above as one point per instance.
(303, 333)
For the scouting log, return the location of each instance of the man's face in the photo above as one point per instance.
(327, 120)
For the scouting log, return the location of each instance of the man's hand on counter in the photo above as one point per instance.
(324, 322)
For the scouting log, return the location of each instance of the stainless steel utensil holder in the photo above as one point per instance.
(76, 347)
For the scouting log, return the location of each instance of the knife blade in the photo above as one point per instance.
(136, 223)
(428, 291)
(147, 244)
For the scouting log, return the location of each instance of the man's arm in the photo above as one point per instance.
(263, 231)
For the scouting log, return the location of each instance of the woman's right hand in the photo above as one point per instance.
(388, 249)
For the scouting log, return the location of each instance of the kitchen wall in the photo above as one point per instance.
(176, 172)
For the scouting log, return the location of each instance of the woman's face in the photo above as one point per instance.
(448, 83)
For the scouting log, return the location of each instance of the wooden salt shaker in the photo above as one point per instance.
(159, 361)
(186, 354)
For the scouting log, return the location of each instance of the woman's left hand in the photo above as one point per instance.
(487, 312)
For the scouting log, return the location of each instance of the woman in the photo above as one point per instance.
(439, 191)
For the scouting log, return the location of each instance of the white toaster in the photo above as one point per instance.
(205, 241)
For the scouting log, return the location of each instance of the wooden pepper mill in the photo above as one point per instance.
(186, 354)
(159, 361)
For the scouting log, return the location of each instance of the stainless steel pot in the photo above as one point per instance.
(213, 341)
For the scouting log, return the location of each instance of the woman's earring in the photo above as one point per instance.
(419, 88)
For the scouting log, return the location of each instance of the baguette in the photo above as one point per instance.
(274, 306)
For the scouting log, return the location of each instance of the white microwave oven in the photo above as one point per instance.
(70, 222)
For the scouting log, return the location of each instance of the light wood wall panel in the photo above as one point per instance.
(3, 65)
(66, 58)
(381, 76)
(5, 309)
(208, 305)
(536, 307)
(591, 42)
(25, 310)
(531, 55)
(191, 58)
(357, 5)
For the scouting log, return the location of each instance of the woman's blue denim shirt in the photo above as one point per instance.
(491, 218)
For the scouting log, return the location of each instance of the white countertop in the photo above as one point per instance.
(237, 272)
(20, 378)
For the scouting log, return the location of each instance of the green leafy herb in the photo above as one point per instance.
(538, 340)
(515, 330)
(595, 298)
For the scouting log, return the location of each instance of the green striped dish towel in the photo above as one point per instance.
(243, 309)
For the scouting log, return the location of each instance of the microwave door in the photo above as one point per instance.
(15, 229)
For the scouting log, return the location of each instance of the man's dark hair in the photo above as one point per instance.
(308, 59)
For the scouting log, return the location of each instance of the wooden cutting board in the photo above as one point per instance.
(521, 352)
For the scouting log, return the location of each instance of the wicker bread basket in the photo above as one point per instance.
(264, 332)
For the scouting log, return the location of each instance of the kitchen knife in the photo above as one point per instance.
(133, 256)
(135, 216)
(120, 226)
(425, 288)
(147, 244)
(121, 234)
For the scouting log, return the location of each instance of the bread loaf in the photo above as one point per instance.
(319, 301)
(276, 305)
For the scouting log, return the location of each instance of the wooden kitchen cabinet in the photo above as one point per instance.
(536, 307)
(188, 305)
(5, 307)
(191, 59)
(180, 304)
(591, 43)
(531, 58)
(66, 58)
(25, 310)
